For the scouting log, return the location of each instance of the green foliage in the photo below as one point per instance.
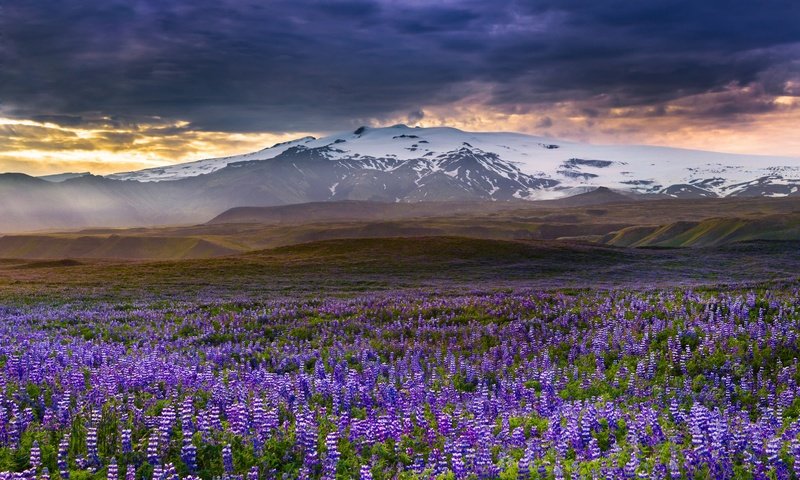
(462, 384)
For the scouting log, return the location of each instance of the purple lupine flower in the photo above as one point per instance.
(459, 469)
(419, 464)
(306, 431)
(331, 457)
(365, 473)
(113, 473)
(252, 474)
(593, 452)
(189, 454)
(527, 371)
(36, 455)
(187, 409)
(126, 440)
(773, 456)
(91, 445)
(794, 450)
(632, 465)
(558, 471)
(237, 421)
(674, 468)
(169, 472)
(63, 463)
(165, 423)
(227, 458)
(524, 467)
(153, 453)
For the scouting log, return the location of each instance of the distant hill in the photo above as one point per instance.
(356, 211)
(600, 218)
(365, 210)
(60, 177)
(113, 246)
(708, 233)
(598, 196)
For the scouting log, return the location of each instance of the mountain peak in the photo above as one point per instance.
(296, 141)
(562, 168)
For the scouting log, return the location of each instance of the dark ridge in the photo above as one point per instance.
(67, 262)
(574, 162)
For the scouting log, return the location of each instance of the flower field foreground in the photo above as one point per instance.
(623, 384)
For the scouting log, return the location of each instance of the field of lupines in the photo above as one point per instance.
(661, 384)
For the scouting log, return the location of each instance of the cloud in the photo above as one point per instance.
(545, 122)
(415, 116)
(246, 66)
(96, 146)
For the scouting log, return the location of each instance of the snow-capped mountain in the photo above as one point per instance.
(392, 164)
(511, 165)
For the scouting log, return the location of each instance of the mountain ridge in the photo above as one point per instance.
(560, 168)
(391, 164)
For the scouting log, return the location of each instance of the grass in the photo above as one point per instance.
(349, 266)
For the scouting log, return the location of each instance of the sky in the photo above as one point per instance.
(114, 85)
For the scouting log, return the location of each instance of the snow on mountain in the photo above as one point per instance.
(529, 167)
(200, 167)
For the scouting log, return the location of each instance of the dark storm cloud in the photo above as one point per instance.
(315, 65)
(644, 52)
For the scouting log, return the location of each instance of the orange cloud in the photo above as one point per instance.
(756, 124)
(40, 148)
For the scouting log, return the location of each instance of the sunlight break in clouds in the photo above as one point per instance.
(105, 146)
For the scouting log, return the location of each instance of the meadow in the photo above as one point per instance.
(660, 383)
